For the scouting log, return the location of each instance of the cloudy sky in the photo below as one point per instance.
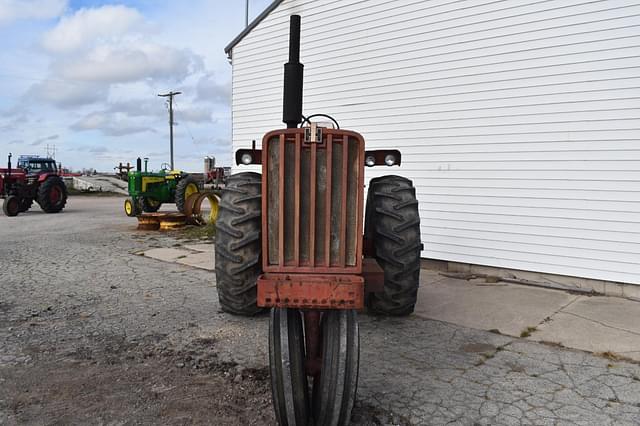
(84, 75)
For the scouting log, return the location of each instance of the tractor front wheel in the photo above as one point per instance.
(131, 208)
(289, 387)
(392, 222)
(149, 205)
(334, 390)
(187, 186)
(11, 206)
(52, 195)
(238, 247)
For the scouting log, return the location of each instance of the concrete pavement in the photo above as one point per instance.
(90, 329)
(599, 324)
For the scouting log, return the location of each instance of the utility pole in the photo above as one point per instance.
(170, 95)
(246, 14)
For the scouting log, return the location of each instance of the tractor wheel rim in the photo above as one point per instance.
(55, 195)
(213, 215)
(128, 208)
(191, 189)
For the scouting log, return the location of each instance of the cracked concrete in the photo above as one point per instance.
(592, 323)
(90, 330)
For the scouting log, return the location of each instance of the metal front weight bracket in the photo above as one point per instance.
(313, 133)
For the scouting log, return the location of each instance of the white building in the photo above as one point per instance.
(519, 121)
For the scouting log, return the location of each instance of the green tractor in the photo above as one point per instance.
(149, 190)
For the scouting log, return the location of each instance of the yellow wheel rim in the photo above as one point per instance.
(213, 214)
(128, 207)
(191, 189)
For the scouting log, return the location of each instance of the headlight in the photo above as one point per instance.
(390, 160)
(370, 161)
(246, 159)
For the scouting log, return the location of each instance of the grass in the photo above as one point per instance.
(527, 332)
(609, 355)
(205, 232)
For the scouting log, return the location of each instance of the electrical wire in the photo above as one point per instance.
(175, 104)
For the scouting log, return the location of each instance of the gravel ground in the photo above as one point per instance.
(91, 333)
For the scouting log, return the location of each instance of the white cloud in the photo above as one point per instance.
(210, 90)
(110, 124)
(67, 94)
(193, 114)
(11, 10)
(125, 62)
(87, 25)
(44, 139)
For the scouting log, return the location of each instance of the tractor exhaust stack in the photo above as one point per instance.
(293, 76)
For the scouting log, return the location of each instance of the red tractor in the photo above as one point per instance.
(35, 178)
(291, 239)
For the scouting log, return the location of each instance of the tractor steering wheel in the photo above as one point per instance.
(165, 167)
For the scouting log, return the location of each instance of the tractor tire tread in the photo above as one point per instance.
(43, 194)
(238, 244)
(181, 189)
(394, 226)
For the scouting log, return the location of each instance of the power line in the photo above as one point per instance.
(187, 126)
(170, 95)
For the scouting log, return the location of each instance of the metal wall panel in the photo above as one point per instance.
(519, 122)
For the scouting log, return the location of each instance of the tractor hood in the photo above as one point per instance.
(14, 172)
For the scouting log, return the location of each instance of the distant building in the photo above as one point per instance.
(519, 122)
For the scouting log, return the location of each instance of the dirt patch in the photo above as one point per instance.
(112, 380)
(147, 382)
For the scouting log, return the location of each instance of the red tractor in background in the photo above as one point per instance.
(34, 178)
(215, 175)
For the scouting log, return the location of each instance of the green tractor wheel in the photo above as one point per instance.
(187, 186)
(131, 208)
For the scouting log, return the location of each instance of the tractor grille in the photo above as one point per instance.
(313, 199)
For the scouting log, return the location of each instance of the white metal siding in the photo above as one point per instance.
(519, 121)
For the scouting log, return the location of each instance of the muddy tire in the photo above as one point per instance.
(238, 228)
(149, 205)
(392, 222)
(52, 195)
(187, 186)
(11, 206)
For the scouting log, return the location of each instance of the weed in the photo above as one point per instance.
(527, 332)
(205, 232)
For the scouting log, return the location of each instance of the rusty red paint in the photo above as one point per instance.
(313, 291)
(373, 276)
(331, 137)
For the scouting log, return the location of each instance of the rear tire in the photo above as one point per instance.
(52, 195)
(184, 188)
(11, 206)
(238, 248)
(149, 205)
(392, 222)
